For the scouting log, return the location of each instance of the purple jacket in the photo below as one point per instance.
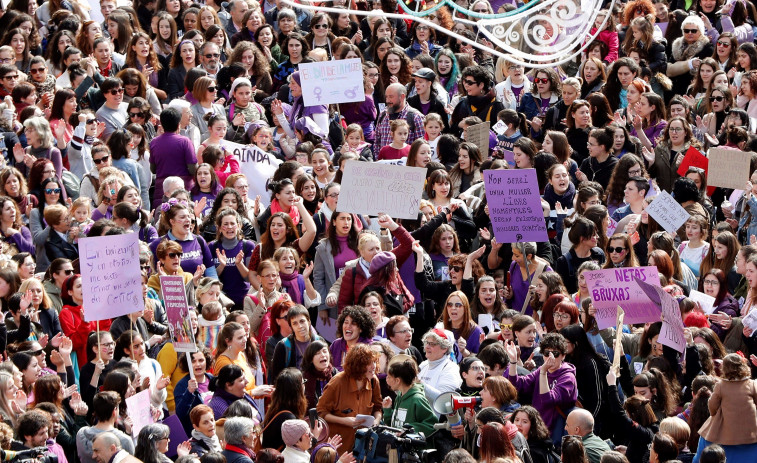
(338, 351)
(652, 132)
(562, 393)
(22, 240)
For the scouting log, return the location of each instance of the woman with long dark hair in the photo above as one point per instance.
(332, 254)
(288, 402)
(317, 371)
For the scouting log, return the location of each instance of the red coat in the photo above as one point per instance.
(73, 325)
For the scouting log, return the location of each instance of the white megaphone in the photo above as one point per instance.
(448, 404)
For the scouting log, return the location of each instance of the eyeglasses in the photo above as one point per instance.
(421, 28)
(12, 76)
(457, 268)
(710, 282)
(211, 89)
(321, 26)
(133, 115)
(174, 255)
(37, 70)
(457, 305)
(554, 353)
(690, 31)
(634, 173)
(409, 330)
(724, 44)
(91, 121)
(506, 326)
(101, 160)
(68, 271)
(431, 344)
(542, 80)
(108, 344)
(6, 60)
(616, 250)
(485, 11)
(561, 316)
(717, 98)
(333, 195)
(212, 55)
(470, 82)
(116, 91)
(676, 129)
(52, 191)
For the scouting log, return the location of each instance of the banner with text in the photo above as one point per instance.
(615, 287)
(257, 165)
(369, 188)
(177, 312)
(671, 333)
(110, 276)
(329, 82)
(515, 205)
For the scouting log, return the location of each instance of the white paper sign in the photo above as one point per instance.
(750, 321)
(257, 165)
(667, 212)
(370, 188)
(706, 302)
(329, 82)
(486, 320)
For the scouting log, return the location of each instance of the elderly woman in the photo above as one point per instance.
(688, 52)
(239, 435)
(400, 336)
(439, 373)
(56, 245)
(152, 443)
(355, 391)
(40, 140)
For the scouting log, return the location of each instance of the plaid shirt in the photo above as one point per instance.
(384, 133)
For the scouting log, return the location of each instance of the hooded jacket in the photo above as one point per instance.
(411, 408)
(562, 391)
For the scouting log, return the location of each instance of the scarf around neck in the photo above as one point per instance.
(212, 442)
(291, 284)
(293, 213)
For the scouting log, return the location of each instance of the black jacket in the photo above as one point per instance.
(56, 247)
(437, 106)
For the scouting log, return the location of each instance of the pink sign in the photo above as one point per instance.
(615, 287)
(671, 333)
(177, 312)
(138, 409)
(515, 205)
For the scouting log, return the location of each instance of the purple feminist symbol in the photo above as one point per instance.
(351, 92)
(317, 92)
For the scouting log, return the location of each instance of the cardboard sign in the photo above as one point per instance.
(667, 212)
(110, 276)
(615, 287)
(728, 168)
(618, 344)
(370, 188)
(330, 82)
(257, 165)
(479, 135)
(138, 409)
(706, 302)
(515, 205)
(177, 312)
(693, 158)
(671, 333)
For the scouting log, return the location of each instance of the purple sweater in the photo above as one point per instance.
(22, 240)
(562, 393)
(338, 351)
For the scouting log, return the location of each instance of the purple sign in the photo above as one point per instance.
(515, 205)
(615, 287)
(177, 312)
(671, 333)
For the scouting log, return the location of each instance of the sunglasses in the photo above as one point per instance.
(52, 191)
(717, 98)
(690, 31)
(91, 121)
(174, 255)
(212, 55)
(457, 268)
(321, 26)
(724, 44)
(543, 80)
(458, 305)
(35, 353)
(69, 271)
(12, 76)
(101, 160)
(554, 353)
(470, 82)
(211, 89)
(116, 91)
(37, 71)
(506, 326)
(616, 250)
(133, 115)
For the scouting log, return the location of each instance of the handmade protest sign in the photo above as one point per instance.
(667, 212)
(705, 301)
(618, 344)
(671, 333)
(110, 276)
(138, 409)
(515, 205)
(728, 168)
(611, 227)
(693, 158)
(750, 320)
(257, 165)
(330, 82)
(177, 312)
(369, 188)
(479, 135)
(615, 287)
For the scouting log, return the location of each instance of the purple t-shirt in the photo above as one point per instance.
(345, 254)
(170, 153)
(544, 106)
(517, 91)
(234, 285)
(196, 252)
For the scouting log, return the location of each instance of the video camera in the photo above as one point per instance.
(35, 455)
(373, 445)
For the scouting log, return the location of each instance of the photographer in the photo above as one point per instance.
(411, 406)
(32, 430)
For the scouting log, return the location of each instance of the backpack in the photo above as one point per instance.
(71, 183)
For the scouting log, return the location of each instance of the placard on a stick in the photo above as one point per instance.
(330, 82)
(177, 312)
(728, 168)
(667, 212)
(615, 287)
(479, 135)
(371, 188)
(515, 205)
(672, 331)
(110, 275)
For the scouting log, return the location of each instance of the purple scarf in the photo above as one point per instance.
(291, 285)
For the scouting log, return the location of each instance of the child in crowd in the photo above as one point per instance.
(211, 321)
(262, 137)
(81, 221)
(398, 148)
(354, 143)
(224, 163)
(432, 126)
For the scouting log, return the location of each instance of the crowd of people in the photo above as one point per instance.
(313, 325)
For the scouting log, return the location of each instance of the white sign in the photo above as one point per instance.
(257, 165)
(705, 301)
(667, 212)
(750, 320)
(329, 82)
(370, 188)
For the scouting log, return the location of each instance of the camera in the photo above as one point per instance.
(373, 445)
(35, 455)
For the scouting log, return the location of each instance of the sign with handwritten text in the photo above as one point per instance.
(110, 276)
(257, 165)
(515, 205)
(370, 188)
(177, 312)
(672, 331)
(615, 287)
(667, 212)
(330, 82)
(138, 409)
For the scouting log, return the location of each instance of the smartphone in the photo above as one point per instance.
(313, 417)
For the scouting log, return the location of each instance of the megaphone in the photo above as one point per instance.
(449, 402)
